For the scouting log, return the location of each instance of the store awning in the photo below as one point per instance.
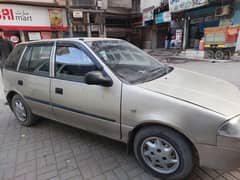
(34, 28)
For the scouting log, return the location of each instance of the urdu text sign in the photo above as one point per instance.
(181, 5)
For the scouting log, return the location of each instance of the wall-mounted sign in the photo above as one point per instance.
(163, 17)
(148, 14)
(77, 14)
(14, 39)
(34, 36)
(56, 18)
(181, 5)
(31, 18)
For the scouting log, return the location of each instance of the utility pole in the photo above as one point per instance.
(89, 31)
(69, 18)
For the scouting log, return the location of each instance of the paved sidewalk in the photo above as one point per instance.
(52, 151)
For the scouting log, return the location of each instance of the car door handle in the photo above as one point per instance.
(58, 90)
(20, 82)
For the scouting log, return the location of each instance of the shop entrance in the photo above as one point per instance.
(197, 25)
(161, 35)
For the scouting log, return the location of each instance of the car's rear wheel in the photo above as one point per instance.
(22, 111)
(164, 153)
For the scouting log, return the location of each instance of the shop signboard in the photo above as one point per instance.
(163, 17)
(56, 18)
(30, 18)
(181, 5)
(148, 15)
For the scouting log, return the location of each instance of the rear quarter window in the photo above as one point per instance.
(14, 57)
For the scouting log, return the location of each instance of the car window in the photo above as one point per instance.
(36, 60)
(14, 57)
(72, 63)
(129, 63)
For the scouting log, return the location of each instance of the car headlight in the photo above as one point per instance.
(230, 128)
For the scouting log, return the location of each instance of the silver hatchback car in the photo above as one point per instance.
(172, 119)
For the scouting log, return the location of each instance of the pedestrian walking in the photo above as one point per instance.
(169, 38)
(198, 37)
(6, 47)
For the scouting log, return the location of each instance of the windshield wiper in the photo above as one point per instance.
(156, 69)
(155, 73)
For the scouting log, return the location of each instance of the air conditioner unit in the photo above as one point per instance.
(223, 11)
(102, 4)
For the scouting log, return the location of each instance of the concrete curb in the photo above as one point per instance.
(199, 59)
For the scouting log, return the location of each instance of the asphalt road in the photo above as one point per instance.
(229, 71)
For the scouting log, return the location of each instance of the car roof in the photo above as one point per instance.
(83, 39)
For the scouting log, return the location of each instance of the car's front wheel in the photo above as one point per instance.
(164, 153)
(22, 111)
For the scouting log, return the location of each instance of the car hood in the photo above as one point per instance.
(214, 94)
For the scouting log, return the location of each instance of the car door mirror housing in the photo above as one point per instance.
(98, 78)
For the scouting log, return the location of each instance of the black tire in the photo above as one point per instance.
(209, 54)
(219, 55)
(181, 145)
(227, 54)
(30, 118)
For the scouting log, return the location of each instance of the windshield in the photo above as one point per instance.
(129, 63)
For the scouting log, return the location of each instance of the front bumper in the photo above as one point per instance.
(224, 156)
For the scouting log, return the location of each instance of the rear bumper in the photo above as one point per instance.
(224, 156)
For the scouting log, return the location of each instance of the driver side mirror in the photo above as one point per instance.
(98, 78)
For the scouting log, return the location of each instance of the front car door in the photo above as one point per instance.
(33, 79)
(91, 107)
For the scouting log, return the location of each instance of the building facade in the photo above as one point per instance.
(155, 22)
(101, 18)
(184, 19)
(33, 20)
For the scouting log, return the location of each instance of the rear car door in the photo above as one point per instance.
(10, 73)
(33, 79)
(91, 107)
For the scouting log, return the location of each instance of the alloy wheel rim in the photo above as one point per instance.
(160, 155)
(20, 111)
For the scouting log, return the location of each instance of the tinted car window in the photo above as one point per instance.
(14, 57)
(72, 63)
(36, 60)
(25, 60)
